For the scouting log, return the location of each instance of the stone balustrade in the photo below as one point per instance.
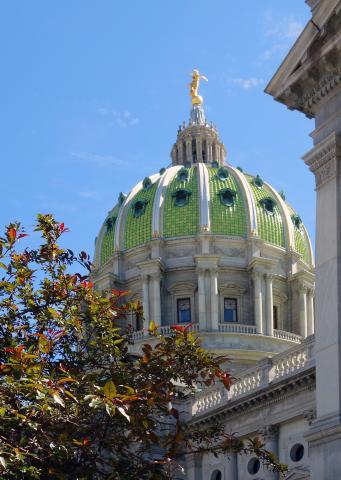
(267, 372)
(293, 337)
(237, 328)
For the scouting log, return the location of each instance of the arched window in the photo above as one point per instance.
(216, 475)
(183, 175)
(223, 173)
(268, 204)
(139, 207)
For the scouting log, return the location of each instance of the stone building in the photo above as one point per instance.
(203, 242)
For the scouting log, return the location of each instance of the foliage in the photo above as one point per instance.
(74, 403)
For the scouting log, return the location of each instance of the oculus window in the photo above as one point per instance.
(139, 207)
(227, 197)
(230, 310)
(268, 205)
(181, 197)
(184, 310)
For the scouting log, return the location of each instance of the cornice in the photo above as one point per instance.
(258, 400)
(322, 159)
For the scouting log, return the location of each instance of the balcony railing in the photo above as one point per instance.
(267, 372)
(239, 328)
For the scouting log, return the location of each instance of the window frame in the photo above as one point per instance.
(235, 300)
(179, 299)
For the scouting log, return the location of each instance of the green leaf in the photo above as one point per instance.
(109, 389)
(2, 265)
(53, 312)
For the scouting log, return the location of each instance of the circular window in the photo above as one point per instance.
(297, 452)
(222, 173)
(147, 183)
(253, 466)
(269, 205)
(162, 171)
(183, 175)
(215, 164)
(258, 181)
(181, 197)
(296, 220)
(227, 197)
(139, 208)
(216, 475)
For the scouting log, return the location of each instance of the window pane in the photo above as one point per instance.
(230, 310)
(184, 310)
(275, 317)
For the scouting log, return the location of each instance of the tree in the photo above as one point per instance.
(74, 403)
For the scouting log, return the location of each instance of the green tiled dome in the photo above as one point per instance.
(202, 199)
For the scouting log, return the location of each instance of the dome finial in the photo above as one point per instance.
(194, 86)
(197, 112)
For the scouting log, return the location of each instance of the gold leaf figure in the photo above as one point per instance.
(194, 86)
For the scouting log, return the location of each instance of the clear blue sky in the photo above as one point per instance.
(92, 93)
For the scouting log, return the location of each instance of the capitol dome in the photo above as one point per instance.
(204, 242)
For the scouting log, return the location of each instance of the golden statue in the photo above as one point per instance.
(196, 99)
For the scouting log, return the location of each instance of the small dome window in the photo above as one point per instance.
(296, 220)
(147, 183)
(121, 198)
(253, 466)
(297, 452)
(215, 164)
(183, 175)
(162, 171)
(258, 181)
(110, 222)
(139, 208)
(187, 164)
(227, 197)
(240, 169)
(268, 204)
(222, 173)
(181, 197)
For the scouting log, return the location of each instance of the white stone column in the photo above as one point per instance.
(269, 305)
(194, 466)
(270, 435)
(258, 301)
(199, 149)
(310, 313)
(214, 300)
(145, 299)
(231, 467)
(209, 151)
(189, 150)
(156, 297)
(303, 310)
(202, 299)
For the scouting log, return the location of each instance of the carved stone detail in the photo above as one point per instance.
(310, 415)
(268, 432)
(322, 160)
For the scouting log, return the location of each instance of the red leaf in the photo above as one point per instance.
(119, 293)
(22, 235)
(178, 328)
(11, 234)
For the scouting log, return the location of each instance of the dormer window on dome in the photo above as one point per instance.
(296, 220)
(268, 204)
(183, 175)
(181, 197)
(147, 183)
(139, 208)
(121, 198)
(258, 181)
(110, 222)
(227, 197)
(223, 174)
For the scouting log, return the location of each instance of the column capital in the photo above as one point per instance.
(269, 276)
(302, 288)
(155, 275)
(322, 159)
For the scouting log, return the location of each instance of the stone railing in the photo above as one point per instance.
(266, 373)
(237, 328)
(293, 337)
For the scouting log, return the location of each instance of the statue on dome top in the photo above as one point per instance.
(194, 86)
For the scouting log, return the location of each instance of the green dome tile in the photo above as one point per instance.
(182, 220)
(138, 229)
(226, 220)
(107, 246)
(270, 226)
(301, 242)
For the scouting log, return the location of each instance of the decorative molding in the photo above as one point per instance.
(231, 288)
(269, 432)
(182, 287)
(322, 159)
(310, 415)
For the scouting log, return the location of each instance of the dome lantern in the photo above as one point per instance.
(198, 141)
